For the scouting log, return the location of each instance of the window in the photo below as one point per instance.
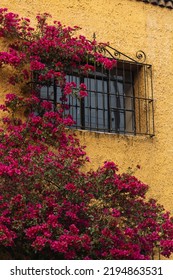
(119, 100)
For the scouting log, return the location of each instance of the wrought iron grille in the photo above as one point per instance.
(119, 100)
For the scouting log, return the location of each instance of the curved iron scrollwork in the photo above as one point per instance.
(141, 56)
(111, 52)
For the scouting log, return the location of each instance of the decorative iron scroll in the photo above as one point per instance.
(111, 52)
(141, 56)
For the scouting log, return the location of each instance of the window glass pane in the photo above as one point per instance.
(58, 95)
(75, 109)
(96, 103)
(47, 93)
(103, 120)
(121, 122)
(43, 93)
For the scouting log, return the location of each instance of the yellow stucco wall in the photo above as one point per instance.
(129, 26)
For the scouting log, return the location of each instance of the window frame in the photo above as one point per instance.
(139, 101)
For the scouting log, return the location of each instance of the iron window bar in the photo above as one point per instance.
(119, 100)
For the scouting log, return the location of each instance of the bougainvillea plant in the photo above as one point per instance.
(49, 208)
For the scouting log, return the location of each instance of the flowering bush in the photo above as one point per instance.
(49, 208)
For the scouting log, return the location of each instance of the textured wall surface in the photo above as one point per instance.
(129, 26)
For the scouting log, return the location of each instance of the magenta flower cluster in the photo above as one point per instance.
(50, 209)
